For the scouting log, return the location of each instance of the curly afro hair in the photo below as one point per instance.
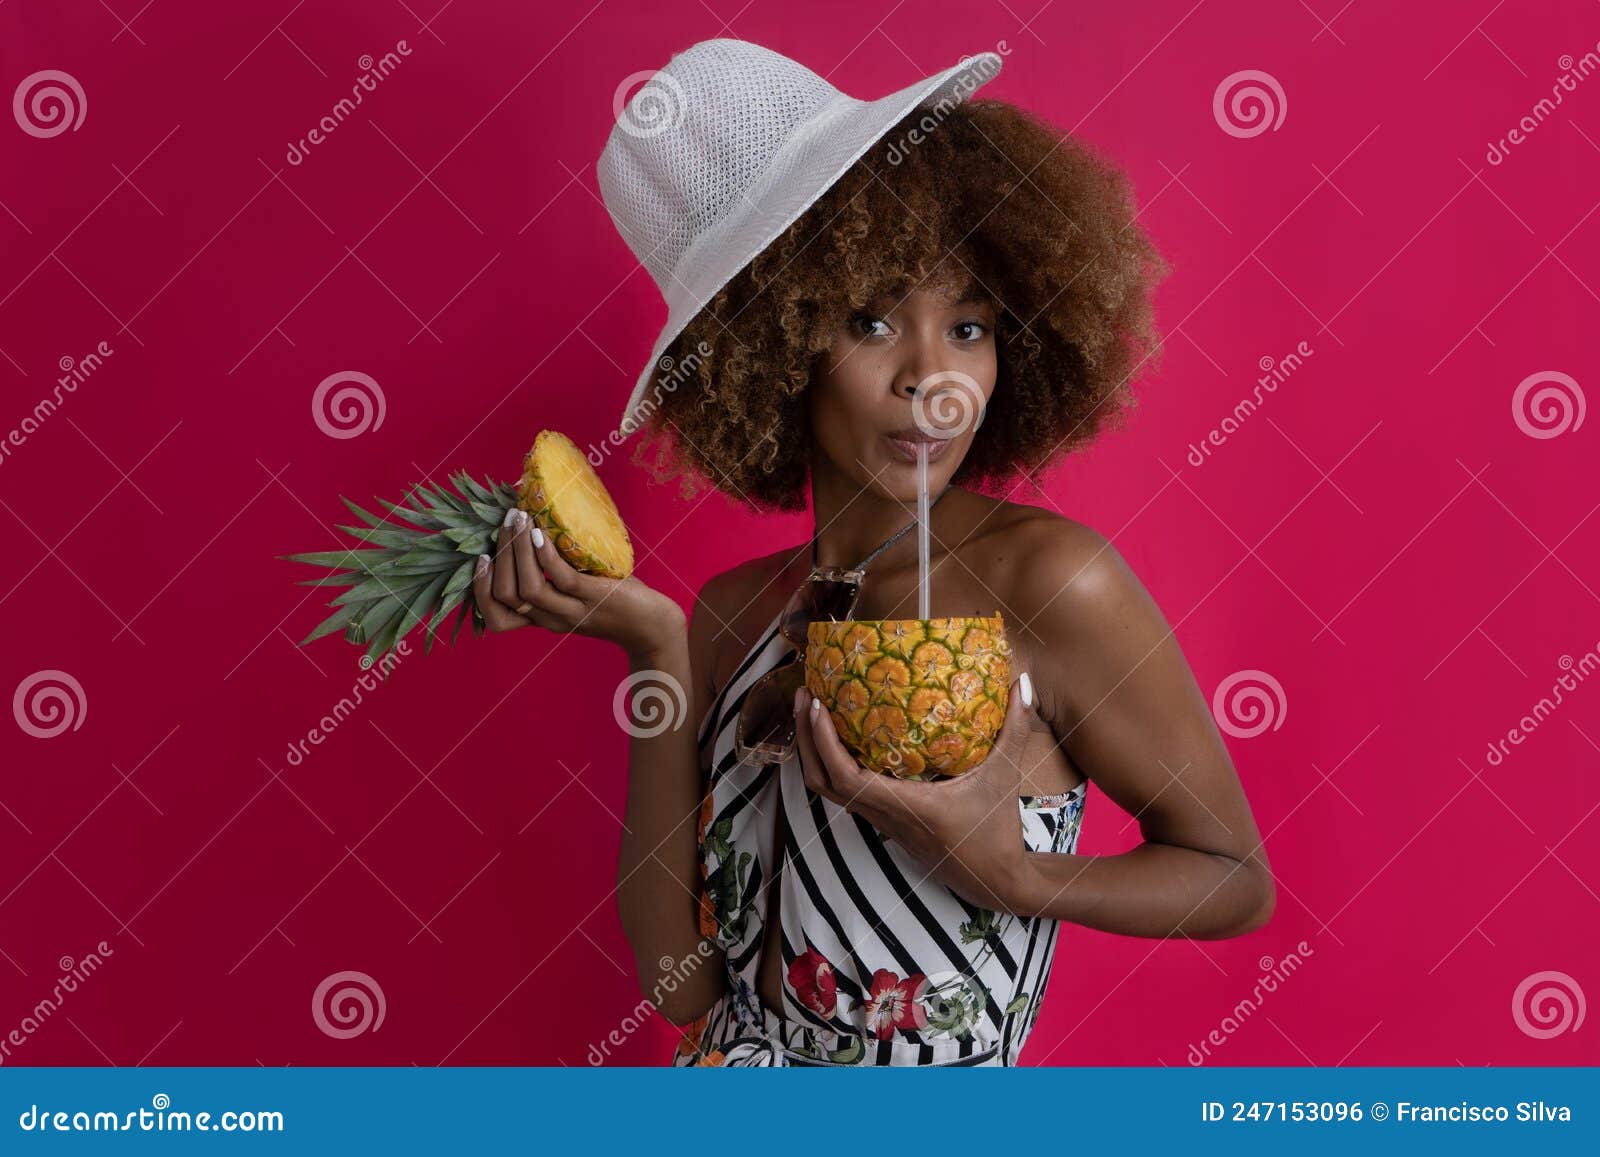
(993, 200)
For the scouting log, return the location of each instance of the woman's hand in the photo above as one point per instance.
(528, 583)
(967, 830)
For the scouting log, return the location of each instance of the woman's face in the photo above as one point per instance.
(901, 372)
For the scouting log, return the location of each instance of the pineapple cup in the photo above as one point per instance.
(912, 697)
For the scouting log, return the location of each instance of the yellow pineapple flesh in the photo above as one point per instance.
(417, 566)
(912, 697)
(570, 504)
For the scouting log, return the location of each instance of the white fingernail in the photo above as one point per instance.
(519, 519)
(538, 538)
(1027, 690)
(816, 704)
(482, 565)
(505, 523)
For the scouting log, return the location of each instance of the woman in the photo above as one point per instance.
(847, 917)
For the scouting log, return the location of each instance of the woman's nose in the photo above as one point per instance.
(919, 361)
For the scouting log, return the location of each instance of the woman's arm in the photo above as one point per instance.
(658, 867)
(1119, 696)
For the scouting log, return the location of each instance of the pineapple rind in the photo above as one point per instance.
(568, 502)
(912, 697)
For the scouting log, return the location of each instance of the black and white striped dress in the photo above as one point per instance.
(884, 965)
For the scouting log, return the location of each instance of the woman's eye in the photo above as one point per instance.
(864, 323)
(976, 329)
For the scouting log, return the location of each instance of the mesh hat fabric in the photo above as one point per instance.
(724, 148)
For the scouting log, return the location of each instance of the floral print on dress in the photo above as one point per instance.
(814, 984)
(895, 1003)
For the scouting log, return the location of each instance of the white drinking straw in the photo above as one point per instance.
(922, 530)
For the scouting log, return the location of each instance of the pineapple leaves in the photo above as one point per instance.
(338, 559)
(378, 589)
(390, 538)
(332, 623)
(368, 625)
(475, 493)
(415, 613)
(474, 541)
(489, 514)
(407, 568)
(369, 519)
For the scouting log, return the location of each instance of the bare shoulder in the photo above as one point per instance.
(734, 607)
(728, 593)
(1055, 571)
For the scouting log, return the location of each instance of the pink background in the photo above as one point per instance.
(1382, 538)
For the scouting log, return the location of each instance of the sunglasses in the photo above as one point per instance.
(765, 730)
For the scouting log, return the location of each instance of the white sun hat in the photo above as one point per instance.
(724, 148)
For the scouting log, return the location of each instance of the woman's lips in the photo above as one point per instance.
(906, 448)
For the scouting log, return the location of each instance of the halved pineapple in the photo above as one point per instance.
(570, 504)
(912, 697)
(419, 565)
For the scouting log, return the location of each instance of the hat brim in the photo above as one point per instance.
(809, 164)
